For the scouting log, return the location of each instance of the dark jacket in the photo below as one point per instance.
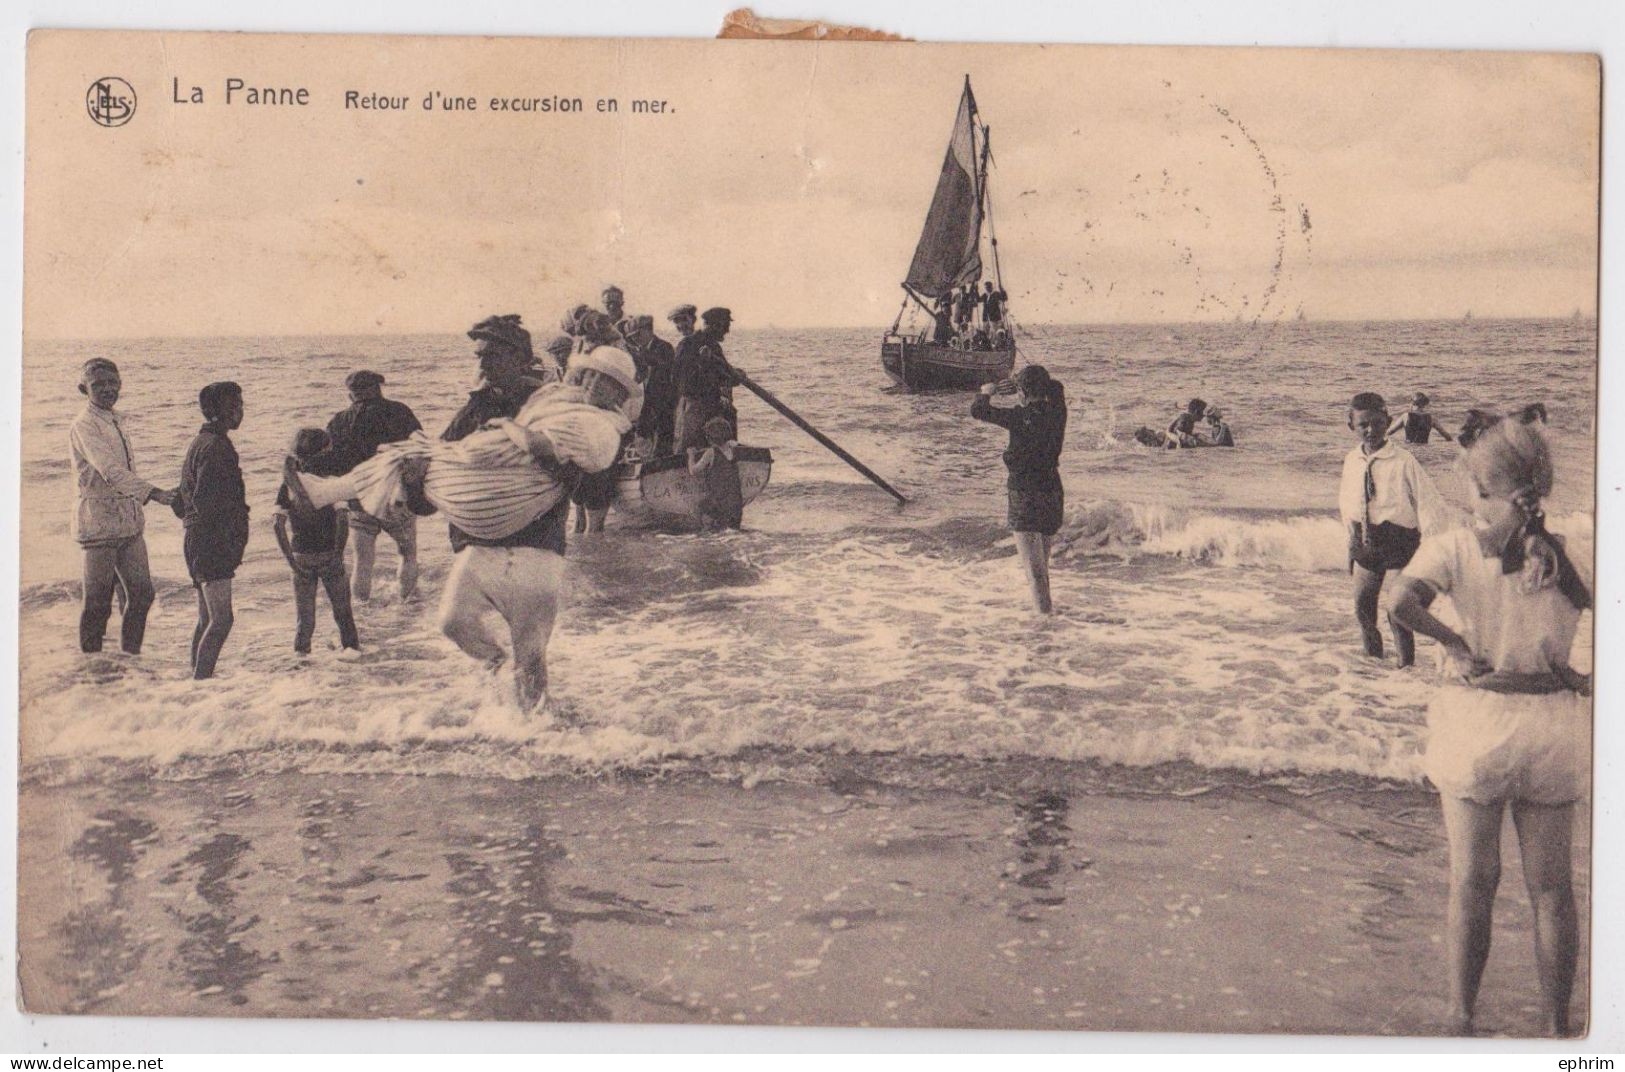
(212, 497)
(359, 431)
(659, 390)
(703, 372)
(487, 403)
(1037, 431)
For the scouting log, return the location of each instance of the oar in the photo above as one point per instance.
(795, 418)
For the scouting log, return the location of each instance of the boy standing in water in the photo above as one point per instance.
(214, 509)
(1380, 501)
(718, 470)
(1418, 423)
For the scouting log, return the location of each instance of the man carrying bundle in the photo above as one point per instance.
(503, 482)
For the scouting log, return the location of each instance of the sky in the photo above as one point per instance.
(789, 181)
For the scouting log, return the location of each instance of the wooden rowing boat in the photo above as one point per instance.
(662, 491)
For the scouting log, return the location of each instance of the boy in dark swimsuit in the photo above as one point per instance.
(315, 549)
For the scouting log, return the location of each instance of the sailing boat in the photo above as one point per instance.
(961, 348)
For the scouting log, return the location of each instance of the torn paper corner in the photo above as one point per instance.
(743, 23)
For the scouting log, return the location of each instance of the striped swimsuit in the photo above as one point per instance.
(487, 485)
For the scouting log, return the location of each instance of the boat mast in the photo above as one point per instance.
(987, 206)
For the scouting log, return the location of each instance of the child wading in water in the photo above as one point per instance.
(1037, 428)
(715, 465)
(315, 552)
(1514, 726)
(1418, 423)
(1381, 497)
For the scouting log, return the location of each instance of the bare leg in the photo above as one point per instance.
(202, 624)
(1474, 833)
(365, 542)
(1033, 547)
(1367, 591)
(216, 599)
(596, 519)
(135, 581)
(1404, 641)
(304, 606)
(532, 604)
(1544, 833)
(405, 536)
(464, 608)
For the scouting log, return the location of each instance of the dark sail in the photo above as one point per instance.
(948, 253)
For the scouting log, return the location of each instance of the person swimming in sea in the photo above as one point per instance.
(1418, 423)
(498, 480)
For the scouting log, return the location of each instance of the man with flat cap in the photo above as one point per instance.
(108, 521)
(559, 350)
(507, 380)
(705, 381)
(356, 433)
(683, 318)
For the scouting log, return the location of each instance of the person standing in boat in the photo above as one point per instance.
(705, 380)
(683, 319)
(614, 305)
(356, 434)
(659, 362)
(1037, 427)
(967, 308)
(992, 305)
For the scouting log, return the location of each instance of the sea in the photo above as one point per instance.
(1204, 630)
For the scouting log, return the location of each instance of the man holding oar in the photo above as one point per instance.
(705, 380)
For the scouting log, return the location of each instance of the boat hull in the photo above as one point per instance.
(662, 491)
(924, 366)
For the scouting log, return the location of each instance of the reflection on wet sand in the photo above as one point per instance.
(1019, 901)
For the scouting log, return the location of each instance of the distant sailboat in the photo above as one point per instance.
(1301, 317)
(946, 268)
(1469, 315)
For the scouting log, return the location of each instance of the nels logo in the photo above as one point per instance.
(110, 101)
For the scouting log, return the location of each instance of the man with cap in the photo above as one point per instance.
(520, 576)
(108, 522)
(683, 318)
(559, 350)
(658, 363)
(506, 382)
(356, 433)
(705, 381)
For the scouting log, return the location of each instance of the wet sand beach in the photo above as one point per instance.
(1047, 898)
